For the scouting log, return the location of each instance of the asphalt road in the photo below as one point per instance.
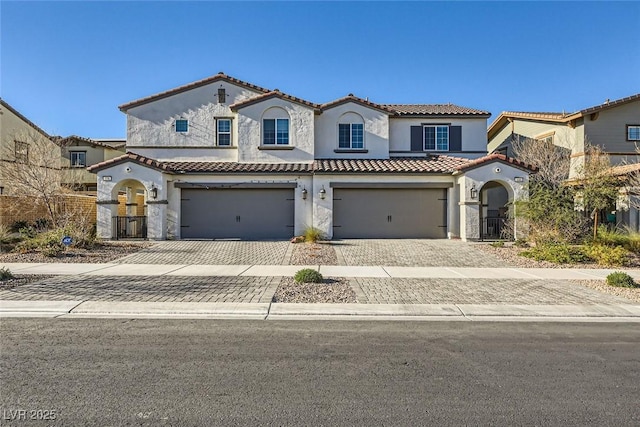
(104, 372)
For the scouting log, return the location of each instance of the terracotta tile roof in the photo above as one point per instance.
(274, 94)
(502, 119)
(233, 167)
(199, 83)
(352, 98)
(432, 164)
(496, 157)
(23, 118)
(434, 110)
(66, 141)
(133, 157)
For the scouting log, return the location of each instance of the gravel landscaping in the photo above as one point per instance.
(632, 294)
(102, 253)
(511, 254)
(331, 290)
(313, 254)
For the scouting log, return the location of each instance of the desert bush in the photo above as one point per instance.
(50, 242)
(607, 255)
(497, 244)
(5, 274)
(621, 279)
(308, 275)
(312, 234)
(556, 253)
(521, 243)
(628, 239)
(17, 225)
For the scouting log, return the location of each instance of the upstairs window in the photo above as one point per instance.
(436, 138)
(78, 159)
(224, 132)
(182, 125)
(275, 131)
(633, 132)
(350, 135)
(21, 151)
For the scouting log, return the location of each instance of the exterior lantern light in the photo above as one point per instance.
(304, 194)
(323, 193)
(154, 192)
(474, 192)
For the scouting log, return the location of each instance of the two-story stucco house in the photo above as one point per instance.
(223, 158)
(78, 153)
(614, 126)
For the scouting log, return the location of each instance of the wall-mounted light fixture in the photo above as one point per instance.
(474, 192)
(323, 193)
(154, 192)
(304, 193)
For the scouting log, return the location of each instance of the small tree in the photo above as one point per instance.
(32, 167)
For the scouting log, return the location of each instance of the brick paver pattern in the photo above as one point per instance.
(476, 291)
(415, 253)
(219, 252)
(261, 289)
(146, 289)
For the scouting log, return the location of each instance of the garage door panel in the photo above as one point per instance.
(252, 214)
(390, 213)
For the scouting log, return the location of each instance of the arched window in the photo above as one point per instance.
(275, 127)
(350, 131)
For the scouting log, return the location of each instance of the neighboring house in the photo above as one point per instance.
(21, 141)
(614, 126)
(223, 158)
(78, 153)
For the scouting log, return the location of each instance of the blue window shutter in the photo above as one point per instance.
(455, 138)
(416, 138)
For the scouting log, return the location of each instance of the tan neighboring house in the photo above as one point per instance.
(614, 126)
(78, 153)
(18, 135)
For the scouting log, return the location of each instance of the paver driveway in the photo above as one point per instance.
(216, 252)
(414, 253)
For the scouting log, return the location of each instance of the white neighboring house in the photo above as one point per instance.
(223, 158)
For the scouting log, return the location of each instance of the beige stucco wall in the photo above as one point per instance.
(376, 131)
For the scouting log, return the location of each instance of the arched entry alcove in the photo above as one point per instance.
(494, 212)
(130, 221)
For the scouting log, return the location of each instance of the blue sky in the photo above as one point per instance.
(68, 65)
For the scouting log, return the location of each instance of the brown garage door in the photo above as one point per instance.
(393, 213)
(249, 213)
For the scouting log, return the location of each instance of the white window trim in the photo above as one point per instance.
(629, 127)
(175, 126)
(72, 164)
(230, 133)
(435, 148)
(351, 147)
(275, 142)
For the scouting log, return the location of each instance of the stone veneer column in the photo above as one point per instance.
(157, 219)
(470, 220)
(106, 210)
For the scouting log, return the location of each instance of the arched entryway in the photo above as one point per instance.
(494, 212)
(130, 220)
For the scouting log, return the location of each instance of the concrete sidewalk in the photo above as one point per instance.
(283, 311)
(112, 269)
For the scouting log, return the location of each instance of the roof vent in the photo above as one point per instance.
(222, 95)
(606, 101)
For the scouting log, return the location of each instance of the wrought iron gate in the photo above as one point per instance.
(129, 227)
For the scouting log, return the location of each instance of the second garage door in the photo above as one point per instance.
(393, 213)
(250, 213)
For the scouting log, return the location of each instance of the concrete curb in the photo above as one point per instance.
(285, 311)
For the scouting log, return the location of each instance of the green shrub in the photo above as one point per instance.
(607, 255)
(308, 275)
(28, 232)
(17, 225)
(5, 274)
(621, 279)
(628, 239)
(558, 254)
(498, 244)
(312, 234)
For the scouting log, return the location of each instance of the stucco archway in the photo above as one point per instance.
(495, 201)
(130, 219)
